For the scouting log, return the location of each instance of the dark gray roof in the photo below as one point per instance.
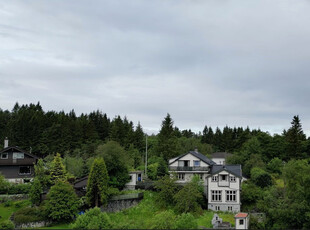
(198, 155)
(221, 155)
(20, 150)
(233, 169)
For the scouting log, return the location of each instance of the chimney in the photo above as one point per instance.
(196, 150)
(6, 142)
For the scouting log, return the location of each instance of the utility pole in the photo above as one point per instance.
(146, 156)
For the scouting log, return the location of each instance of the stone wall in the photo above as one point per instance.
(119, 203)
(38, 224)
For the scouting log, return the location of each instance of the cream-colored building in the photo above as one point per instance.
(135, 177)
(242, 221)
(221, 183)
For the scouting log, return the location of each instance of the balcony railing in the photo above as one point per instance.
(195, 168)
(26, 161)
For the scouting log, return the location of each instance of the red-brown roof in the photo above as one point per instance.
(241, 215)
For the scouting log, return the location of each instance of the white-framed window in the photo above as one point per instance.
(217, 208)
(215, 178)
(216, 195)
(229, 208)
(241, 222)
(232, 179)
(24, 170)
(231, 195)
(197, 163)
(18, 155)
(4, 155)
(181, 176)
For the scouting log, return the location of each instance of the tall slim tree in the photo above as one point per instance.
(57, 170)
(97, 185)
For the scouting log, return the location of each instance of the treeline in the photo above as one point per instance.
(44, 133)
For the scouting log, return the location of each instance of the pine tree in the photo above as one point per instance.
(97, 185)
(57, 171)
(167, 141)
(294, 137)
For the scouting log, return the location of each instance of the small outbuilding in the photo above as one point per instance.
(242, 220)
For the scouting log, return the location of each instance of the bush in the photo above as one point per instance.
(260, 177)
(186, 221)
(29, 214)
(7, 224)
(164, 220)
(62, 202)
(8, 203)
(93, 219)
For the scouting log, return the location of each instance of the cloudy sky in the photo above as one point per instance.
(214, 63)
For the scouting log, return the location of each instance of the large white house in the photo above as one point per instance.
(222, 183)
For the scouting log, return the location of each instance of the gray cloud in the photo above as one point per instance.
(205, 62)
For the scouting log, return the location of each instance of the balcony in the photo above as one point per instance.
(26, 161)
(184, 169)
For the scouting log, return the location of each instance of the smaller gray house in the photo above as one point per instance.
(17, 165)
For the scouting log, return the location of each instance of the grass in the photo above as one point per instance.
(6, 212)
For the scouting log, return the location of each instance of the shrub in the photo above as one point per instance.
(260, 177)
(8, 203)
(93, 219)
(7, 224)
(167, 189)
(186, 221)
(62, 202)
(163, 220)
(29, 214)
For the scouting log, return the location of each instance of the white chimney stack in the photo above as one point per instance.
(6, 142)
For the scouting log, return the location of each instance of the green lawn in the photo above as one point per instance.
(6, 212)
(58, 226)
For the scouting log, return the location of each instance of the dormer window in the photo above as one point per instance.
(197, 163)
(4, 155)
(223, 177)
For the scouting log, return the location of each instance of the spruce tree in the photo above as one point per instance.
(97, 185)
(57, 171)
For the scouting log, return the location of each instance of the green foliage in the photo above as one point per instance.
(4, 185)
(93, 219)
(152, 171)
(30, 214)
(74, 166)
(57, 170)
(164, 220)
(35, 192)
(7, 224)
(62, 202)
(42, 174)
(167, 188)
(117, 163)
(275, 165)
(190, 197)
(97, 186)
(260, 177)
(250, 194)
(186, 221)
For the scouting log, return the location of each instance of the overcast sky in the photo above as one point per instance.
(214, 63)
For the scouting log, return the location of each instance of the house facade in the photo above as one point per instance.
(135, 177)
(222, 183)
(17, 165)
(220, 158)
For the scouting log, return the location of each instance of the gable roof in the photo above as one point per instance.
(233, 169)
(196, 154)
(19, 150)
(221, 155)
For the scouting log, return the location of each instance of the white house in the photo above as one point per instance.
(222, 183)
(134, 176)
(189, 164)
(220, 158)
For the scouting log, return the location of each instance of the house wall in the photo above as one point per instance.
(131, 185)
(224, 205)
(12, 171)
(219, 161)
(189, 157)
(246, 223)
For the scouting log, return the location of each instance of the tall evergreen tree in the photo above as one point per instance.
(97, 185)
(57, 170)
(167, 142)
